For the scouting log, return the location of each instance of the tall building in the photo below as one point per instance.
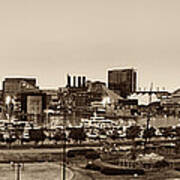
(16, 85)
(33, 105)
(122, 81)
(16, 99)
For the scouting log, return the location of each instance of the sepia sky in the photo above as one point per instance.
(50, 38)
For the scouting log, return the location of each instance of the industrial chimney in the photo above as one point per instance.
(74, 81)
(68, 80)
(79, 81)
(83, 81)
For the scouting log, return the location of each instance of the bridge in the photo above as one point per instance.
(157, 93)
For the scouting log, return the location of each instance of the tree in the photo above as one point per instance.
(1, 137)
(59, 136)
(115, 134)
(149, 133)
(177, 130)
(19, 134)
(102, 132)
(37, 135)
(133, 132)
(9, 139)
(167, 132)
(77, 134)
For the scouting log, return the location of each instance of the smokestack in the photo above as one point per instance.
(74, 81)
(68, 80)
(79, 81)
(83, 81)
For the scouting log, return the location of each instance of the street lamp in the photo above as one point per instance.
(64, 149)
(17, 167)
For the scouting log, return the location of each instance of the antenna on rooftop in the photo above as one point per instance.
(151, 87)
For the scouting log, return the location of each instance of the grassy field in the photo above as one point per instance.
(35, 171)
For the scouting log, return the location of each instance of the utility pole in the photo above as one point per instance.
(18, 171)
(64, 102)
(64, 140)
(148, 118)
(18, 175)
(64, 146)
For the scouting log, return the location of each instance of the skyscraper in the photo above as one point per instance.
(122, 81)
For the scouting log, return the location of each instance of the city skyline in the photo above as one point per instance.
(49, 39)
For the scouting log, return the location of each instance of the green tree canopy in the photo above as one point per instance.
(77, 134)
(133, 132)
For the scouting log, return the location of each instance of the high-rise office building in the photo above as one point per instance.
(122, 81)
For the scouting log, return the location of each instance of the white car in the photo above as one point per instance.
(102, 136)
(92, 136)
(26, 135)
